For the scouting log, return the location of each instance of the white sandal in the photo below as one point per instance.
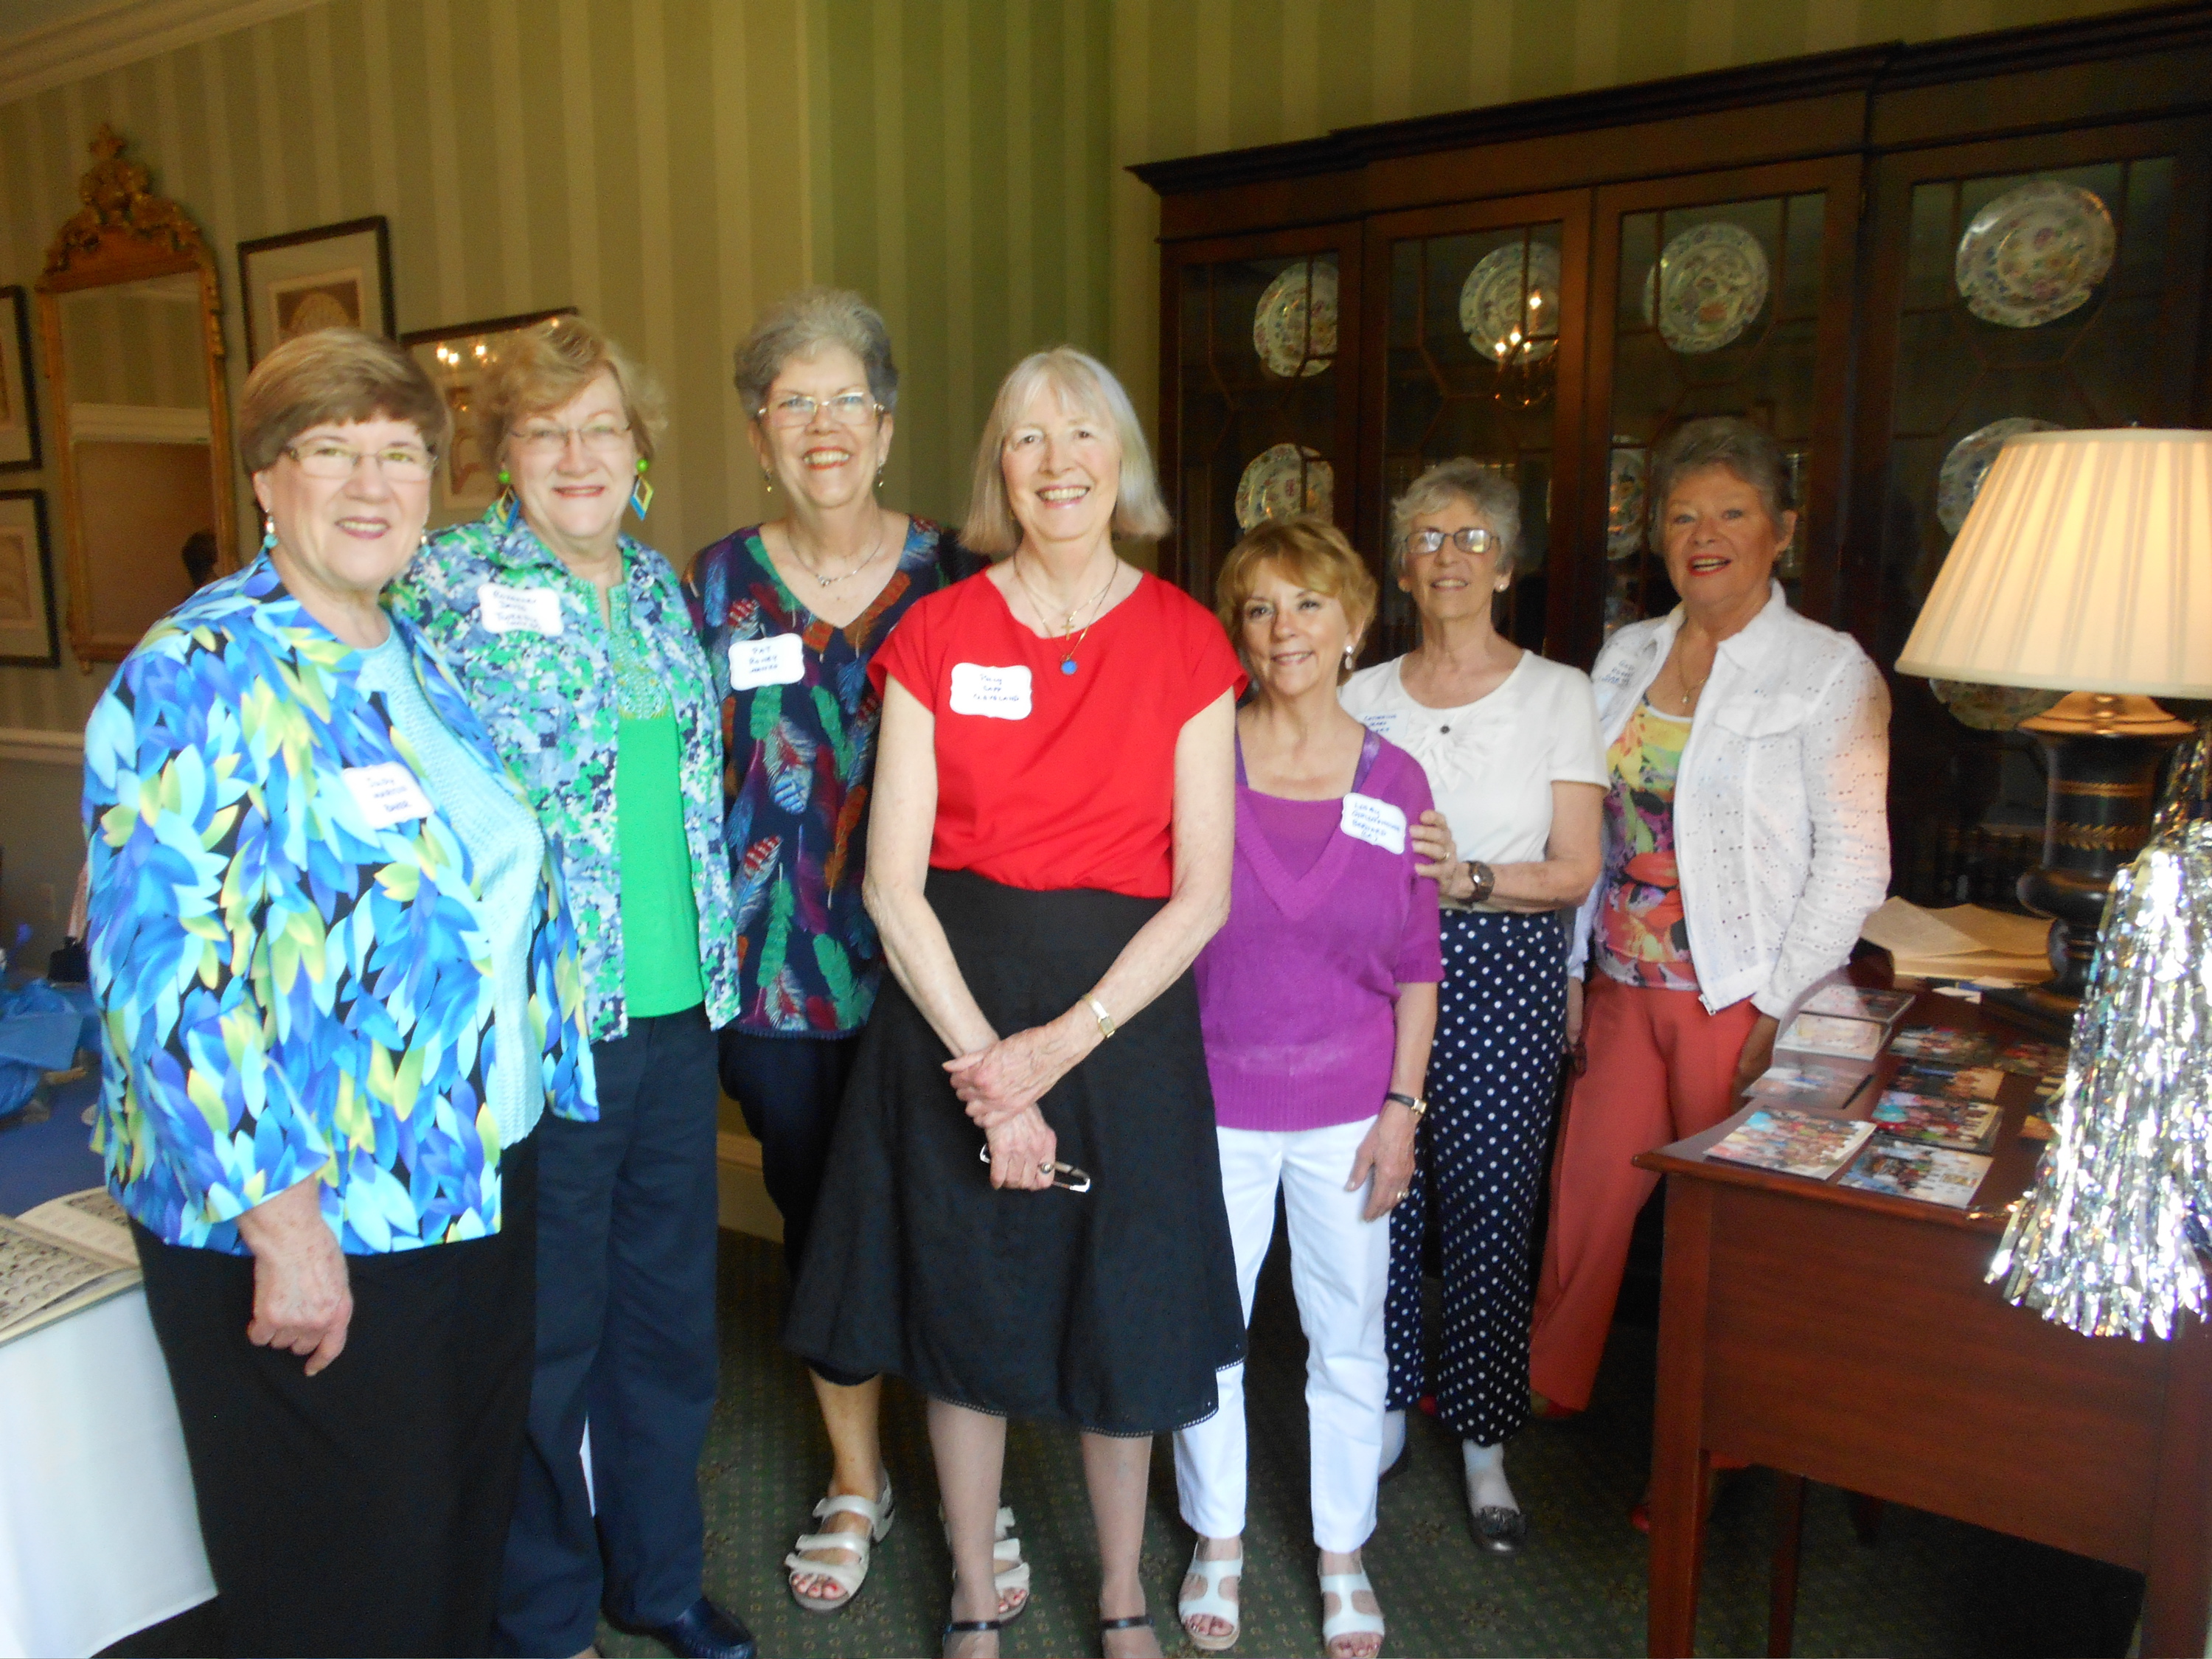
(1011, 1574)
(1211, 1603)
(847, 1575)
(1347, 1620)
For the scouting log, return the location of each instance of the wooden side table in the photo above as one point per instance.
(1847, 1337)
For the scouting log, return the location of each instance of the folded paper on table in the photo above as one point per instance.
(1966, 941)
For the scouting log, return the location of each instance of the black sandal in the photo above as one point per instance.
(969, 1627)
(1135, 1622)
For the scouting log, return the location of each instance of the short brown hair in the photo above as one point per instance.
(1733, 445)
(1084, 385)
(1313, 553)
(546, 366)
(335, 375)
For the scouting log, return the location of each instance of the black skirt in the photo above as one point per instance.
(1111, 1309)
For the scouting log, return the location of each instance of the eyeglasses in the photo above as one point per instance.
(846, 409)
(402, 463)
(601, 437)
(1468, 538)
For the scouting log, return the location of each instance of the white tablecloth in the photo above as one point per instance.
(98, 1535)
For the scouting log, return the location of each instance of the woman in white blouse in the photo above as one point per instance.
(1746, 840)
(1510, 743)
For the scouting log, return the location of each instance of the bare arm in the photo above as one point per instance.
(1560, 880)
(1388, 1150)
(302, 1294)
(1014, 1073)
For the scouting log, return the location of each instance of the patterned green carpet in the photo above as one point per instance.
(1928, 1587)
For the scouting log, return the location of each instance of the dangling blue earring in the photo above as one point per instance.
(641, 493)
(507, 503)
(269, 536)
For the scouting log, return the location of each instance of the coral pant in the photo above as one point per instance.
(1660, 1067)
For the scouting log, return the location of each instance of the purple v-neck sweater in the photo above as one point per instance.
(1299, 991)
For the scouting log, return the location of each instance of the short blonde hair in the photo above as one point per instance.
(548, 365)
(1313, 553)
(335, 375)
(1083, 385)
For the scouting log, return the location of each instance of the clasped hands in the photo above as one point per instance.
(1437, 856)
(1001, 1085)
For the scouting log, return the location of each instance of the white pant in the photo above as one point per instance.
(1341, 1268)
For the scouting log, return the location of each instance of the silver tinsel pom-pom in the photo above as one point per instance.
(2106, 1241)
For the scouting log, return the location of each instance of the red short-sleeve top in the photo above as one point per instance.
(1051, 781)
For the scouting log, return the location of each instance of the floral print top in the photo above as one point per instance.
(552, 680)
(292, 956)
(1642, 937)
(799, 726)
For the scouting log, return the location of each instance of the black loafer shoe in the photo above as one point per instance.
(703, 1630)
(1499, 1530)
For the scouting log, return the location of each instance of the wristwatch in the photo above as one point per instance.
(1484, 878)
(1417, 1107)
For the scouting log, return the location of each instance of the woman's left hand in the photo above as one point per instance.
(1757, 1051)
(1435, 854)
(1387, 1156)
(1013, 1073)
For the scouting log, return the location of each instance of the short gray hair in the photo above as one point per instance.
(1722, 440)
(1488, 492)
(799, 325)
(1083, 385)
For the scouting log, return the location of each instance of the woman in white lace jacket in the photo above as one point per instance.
(1746, 840)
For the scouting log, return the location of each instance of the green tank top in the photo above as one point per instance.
(659, 917)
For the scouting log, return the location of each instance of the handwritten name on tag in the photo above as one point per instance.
(999, 694)
(1375, 822)
(506, 609)
(386, 793)
(1385, 723)
(775, 660)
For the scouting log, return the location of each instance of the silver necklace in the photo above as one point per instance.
(1067, 629)
(850, 571)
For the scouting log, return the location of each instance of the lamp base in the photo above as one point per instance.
(2102, 753)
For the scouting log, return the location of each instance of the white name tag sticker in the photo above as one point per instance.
(776, 660)
(999, 694)
(1375, 822)
(386, 793)
(506, 610)
(1385, 723)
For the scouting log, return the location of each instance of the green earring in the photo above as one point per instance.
(641, 493)
(507, 505)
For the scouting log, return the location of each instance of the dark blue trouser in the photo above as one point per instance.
(626, 1249)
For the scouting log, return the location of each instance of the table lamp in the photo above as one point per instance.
(2085, 565)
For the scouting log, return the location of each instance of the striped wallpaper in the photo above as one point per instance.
(668, 165)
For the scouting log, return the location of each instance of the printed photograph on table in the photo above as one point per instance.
(1831, 1034)
(2030, 1059)
(1857, 1002)
(1932, 1175)
(457, 359)
(1810, 1084)
(1792, 1142)
(19, 404)
(305, 280)
(1964, 1126)
(1951, 1082)
(30, 633)
(1940, 1042)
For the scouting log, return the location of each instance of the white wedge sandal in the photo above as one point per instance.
(1209, 1602)
(1347, 1620)
(847, 1575)
(1010, 1573)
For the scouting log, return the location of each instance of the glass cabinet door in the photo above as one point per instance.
(1483, 360)
(1263, 426)
(1724, 294)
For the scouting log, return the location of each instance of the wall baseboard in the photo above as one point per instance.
(22, 743)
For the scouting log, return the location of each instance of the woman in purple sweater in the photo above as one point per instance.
(1318, 999)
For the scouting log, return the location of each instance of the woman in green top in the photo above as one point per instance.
(574, 643)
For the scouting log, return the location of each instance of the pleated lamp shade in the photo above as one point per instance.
(2084, 565)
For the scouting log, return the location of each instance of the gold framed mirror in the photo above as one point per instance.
(132, 323)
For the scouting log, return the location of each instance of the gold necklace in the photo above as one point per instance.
(1070, 645)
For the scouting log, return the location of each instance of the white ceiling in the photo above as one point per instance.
(44, 43)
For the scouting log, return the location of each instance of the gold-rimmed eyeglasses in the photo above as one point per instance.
(1468, 538)
(601, 437)
(401, 463)
(846, 409)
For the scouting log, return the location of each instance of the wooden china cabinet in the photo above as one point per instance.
(1891, 257)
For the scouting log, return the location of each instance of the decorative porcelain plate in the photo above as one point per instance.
(1708, 285)
(1624, 505)
(1508, 318)
(1284, 481)
(1294, 302)
(1991, 708)
(1959, 480)
(2034, 254)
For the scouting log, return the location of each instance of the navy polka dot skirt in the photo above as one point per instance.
(1492, 1088)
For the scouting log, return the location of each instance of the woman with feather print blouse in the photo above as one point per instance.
(790, 613)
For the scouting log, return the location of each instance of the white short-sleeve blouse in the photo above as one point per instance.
(1492, 762)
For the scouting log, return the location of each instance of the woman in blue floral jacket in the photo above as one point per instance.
(340, 985)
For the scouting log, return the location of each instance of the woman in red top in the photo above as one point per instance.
(1050, 846)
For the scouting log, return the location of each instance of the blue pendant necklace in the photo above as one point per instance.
(1069, 638)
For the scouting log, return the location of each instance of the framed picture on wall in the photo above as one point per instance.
(19, 405)
(331, 276)
(457, 359)
(29, 637)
